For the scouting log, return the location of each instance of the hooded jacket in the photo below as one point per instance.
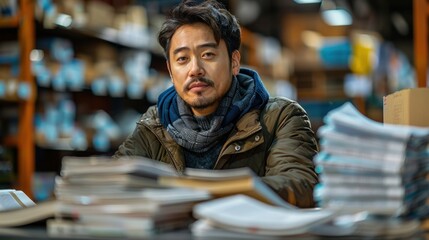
(277, 143)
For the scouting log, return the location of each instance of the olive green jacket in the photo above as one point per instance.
(278, 144)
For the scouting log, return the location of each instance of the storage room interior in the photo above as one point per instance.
(76, 75)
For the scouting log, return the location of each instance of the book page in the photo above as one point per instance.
(23, 198)
(349, 119)
(7, 202)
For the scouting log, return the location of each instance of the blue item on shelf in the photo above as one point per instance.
(51, 133)
(43, 185)
(135, 90)
(62, 50)
(74, 74)
(44, 4)
(9, 52)
(42, 73)
(336, 53)
(24, 91)
(59, 81)
(101, 141)
(99, 86)
(52, 115)
(67, 109)
(2, 89)
(78, 140)
(116, 86)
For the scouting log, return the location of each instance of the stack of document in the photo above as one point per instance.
(368, 166)
(243, 217)
(105, 197)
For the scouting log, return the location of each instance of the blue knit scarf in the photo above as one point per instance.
(246, 92)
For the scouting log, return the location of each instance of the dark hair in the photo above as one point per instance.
(224, 25)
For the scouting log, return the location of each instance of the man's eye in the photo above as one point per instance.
(208, 55)
(181, 59)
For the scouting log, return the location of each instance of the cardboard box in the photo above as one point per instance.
(407, 107)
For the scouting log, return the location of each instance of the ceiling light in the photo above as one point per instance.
(337, 17)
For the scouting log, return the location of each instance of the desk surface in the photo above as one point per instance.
(39, 233)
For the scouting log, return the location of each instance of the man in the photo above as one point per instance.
(220, 116)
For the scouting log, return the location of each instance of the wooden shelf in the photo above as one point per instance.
(10, 141)
(9, 22)
(112, 38)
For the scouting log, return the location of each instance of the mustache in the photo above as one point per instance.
(199, 79)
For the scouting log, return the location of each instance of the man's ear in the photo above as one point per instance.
(235, 61)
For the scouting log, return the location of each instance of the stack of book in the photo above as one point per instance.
(139, 197)
(369, 166)
(101, 196)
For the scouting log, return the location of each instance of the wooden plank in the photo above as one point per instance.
(420, 18)
(26, 148)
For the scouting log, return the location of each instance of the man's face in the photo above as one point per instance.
(200, 69)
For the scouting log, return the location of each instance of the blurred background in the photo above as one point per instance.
(76, 75)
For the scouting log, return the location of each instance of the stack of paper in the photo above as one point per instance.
(243, 217)
(369, 166)
(100, 196)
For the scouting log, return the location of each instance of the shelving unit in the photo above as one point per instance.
(27, 159)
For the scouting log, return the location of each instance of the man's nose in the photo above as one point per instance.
(197, 68)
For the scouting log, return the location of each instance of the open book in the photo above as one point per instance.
(17, 209)
(14, 199)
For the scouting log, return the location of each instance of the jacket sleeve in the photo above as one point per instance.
(289, 168)
(132, 146)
